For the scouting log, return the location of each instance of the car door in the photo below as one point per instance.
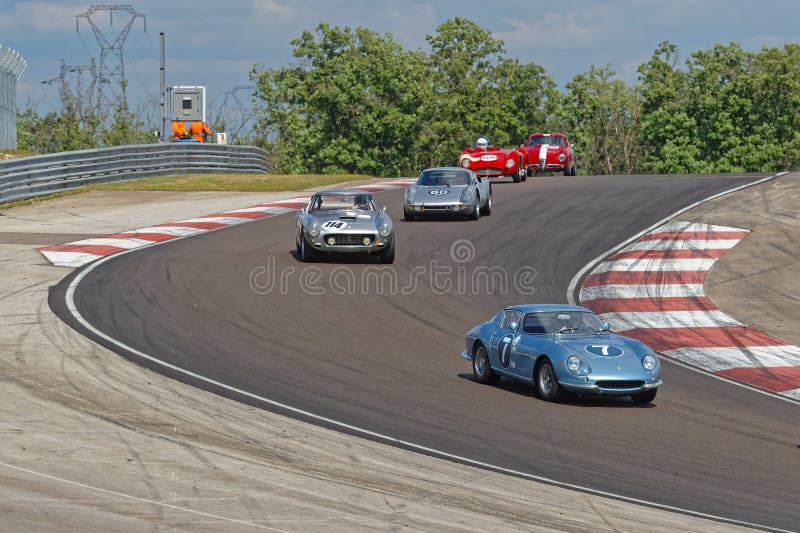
(503, 343)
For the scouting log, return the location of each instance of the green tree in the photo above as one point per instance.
(667, 133)
(351, 106)
(602, 116)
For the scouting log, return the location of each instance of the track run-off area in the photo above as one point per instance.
(374, 350)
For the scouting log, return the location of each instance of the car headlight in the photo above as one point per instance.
(313, 229)
(410, 193)
(467, 196)
(649, 362)
(465, 163)
(573, 363)
(577, 366)
(561, 157)
(384, 227)
(510, 162)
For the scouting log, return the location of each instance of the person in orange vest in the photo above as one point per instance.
(199, 130)
(179, 132)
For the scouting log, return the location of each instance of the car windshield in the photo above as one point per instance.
(321, 202)
(545, 139)
(443, 178)
(564, 322)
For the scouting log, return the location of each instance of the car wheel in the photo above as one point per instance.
(476, 213)
(547, 386)
(567, 171)
(519, 175)
(487, 209)
(644, 397)
(306, 253)
(408, 216)
(480, 366)
(572, 172)
(387, 256)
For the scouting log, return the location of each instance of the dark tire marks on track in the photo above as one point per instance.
(388, 362)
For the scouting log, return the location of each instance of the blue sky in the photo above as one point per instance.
(216, 43)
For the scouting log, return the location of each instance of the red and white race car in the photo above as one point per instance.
(550, 152)
(490, 161)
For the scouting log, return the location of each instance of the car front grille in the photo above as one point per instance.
(619, 384)
(348, 239)
(488, 171)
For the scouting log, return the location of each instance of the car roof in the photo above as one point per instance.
(343, 192)
(538, 308)
(447, 168)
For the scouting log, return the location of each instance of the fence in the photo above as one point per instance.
(44, 174)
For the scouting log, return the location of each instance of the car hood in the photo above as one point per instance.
(346, 220)
(601, 347)
(499, 154)
(428, 193)
(606, 354)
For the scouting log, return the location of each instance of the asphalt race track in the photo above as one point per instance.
(377, 347)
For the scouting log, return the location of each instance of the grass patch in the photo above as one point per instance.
(208, 182)
(11, 153)
(230, 182)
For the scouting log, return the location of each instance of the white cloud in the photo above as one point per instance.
(271, 10)
(566, 30)
(45, 17)
(410, 24)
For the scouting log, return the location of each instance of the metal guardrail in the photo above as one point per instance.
(26, 177)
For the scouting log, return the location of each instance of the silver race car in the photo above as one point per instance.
(448, 190)
(343, 221)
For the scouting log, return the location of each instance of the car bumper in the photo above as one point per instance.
(597, 390)
(378, 245)
(442, 209)
(547, 167)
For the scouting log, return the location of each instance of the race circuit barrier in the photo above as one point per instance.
(653, 290)
(27, 177)
(78, 253)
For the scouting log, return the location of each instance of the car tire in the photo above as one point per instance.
(644, 397)
(408, 216)
(306, 254)
(481, 368)
(487, 209)
(547, 386)
(573, 171)
(568, 170)
(476, 213)
(387, 256)
(519, 175)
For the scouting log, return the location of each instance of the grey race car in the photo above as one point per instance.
(343, 221)
(450, 191)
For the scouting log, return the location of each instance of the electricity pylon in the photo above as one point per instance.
(111, 82)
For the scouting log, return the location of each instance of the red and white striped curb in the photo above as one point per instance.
(652, 290)
(78, 253)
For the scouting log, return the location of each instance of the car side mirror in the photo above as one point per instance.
(606, 326)
(512, 326)
(383, 209)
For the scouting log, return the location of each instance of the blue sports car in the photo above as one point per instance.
(562, 348)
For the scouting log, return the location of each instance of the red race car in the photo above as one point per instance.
(491, 161)
(550, 152)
